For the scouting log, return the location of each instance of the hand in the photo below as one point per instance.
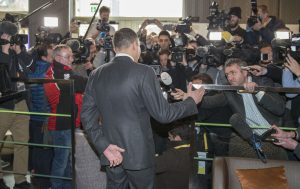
(197, 95)
(257, 70)
(5, 48)
(287, 143)
(250, 86)
(88, 66)
(237, 39)
(257, 26)
(281, 134)
(179, 94)
(113, 154)
(16, 48)
(292, 65)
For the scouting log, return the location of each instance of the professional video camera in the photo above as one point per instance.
(178, 50)
(103, 26)
(19, 39)
(44, 35)
(253, 18)
(284, 43)
(217, 19)
(80, 49)
(185, 26)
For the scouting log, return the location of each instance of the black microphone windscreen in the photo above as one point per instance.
(241, 127)
(8, 28)
(74, 44)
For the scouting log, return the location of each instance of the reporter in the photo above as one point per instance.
(291, 67)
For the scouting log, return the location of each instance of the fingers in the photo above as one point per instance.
(189, 87)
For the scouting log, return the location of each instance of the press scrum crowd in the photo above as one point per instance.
(129, 132)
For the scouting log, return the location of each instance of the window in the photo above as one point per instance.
(131, 8)
(14, 6)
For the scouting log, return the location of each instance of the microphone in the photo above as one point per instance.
(166, 79)
(242, 128)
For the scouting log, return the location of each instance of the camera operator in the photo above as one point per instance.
(265, 26)
(104, 12)
(233, 26)
(17, 124)
(85, 68)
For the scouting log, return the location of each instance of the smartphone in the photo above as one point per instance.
(264, 57)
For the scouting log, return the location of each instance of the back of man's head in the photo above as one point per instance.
(8, 27)
(182, 130)
(124, 37)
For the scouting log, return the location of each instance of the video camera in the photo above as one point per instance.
(283, 44)
(10, 25)
(185, 26)
(44, 35)
(80, 48)
(217, 19)
(178, 50)
(253, 18)
(103, 26)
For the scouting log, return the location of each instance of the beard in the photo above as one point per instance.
(233, 25)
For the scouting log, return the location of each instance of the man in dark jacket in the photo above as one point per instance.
(16, 123)
(124, 95)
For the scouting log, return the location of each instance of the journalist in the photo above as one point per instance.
(125, 94)
(16, 123)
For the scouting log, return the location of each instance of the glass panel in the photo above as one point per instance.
(128, 8)
(14, 5)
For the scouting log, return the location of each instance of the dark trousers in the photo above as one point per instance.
(119, 178)
(39, 157)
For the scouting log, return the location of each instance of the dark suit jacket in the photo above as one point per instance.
(271, 106)
(125, 94)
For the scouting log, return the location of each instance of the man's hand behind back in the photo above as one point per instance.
(113, 154)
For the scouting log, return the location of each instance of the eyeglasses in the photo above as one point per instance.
(67, 57)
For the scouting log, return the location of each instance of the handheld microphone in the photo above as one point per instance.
(167, 80)
(242, 128)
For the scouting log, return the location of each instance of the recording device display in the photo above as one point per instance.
(266, 136)
(264, 56)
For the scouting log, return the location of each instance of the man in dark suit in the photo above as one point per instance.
(125, 94)
(257, 108)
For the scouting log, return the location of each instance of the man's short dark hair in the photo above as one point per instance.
(164, 51)
(164, 32)
(124, 37)
(104, 9)
(42, 50)
(182, 130)
(205, 78)
(235, 61)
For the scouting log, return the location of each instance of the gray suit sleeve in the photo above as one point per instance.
(90, 119)
(157, 105)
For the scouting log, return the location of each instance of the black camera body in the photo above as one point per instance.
(19, 39)
(282, 47)
(80, 49)
(103, 26)
(217, 19)
(252, 20)
(185, 26)
(177, 54)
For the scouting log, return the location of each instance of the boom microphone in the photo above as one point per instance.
(242, 128)
(8, 28)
